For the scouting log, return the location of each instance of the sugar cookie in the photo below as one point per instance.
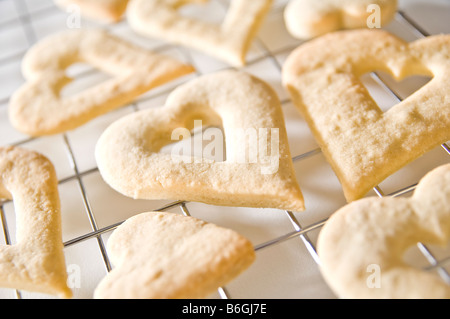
(107, 11)
(311, 18)
(363, 144)
(129, 158)
(36, 262)
(37, 107)
(361, 246)
(170, 256)
(229, 41)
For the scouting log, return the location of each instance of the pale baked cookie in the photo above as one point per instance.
(229, 41)
(107, 11)
(37, 107)
(362, 246)
(306, 19)
(129, 158)
(36, 262)
(170, 256)
(363, 144)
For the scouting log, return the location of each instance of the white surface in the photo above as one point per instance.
(285, 270)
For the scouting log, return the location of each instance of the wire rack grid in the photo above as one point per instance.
(287, 262)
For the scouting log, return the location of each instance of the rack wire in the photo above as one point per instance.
(24, 17)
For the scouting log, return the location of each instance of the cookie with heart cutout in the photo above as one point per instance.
(363, 144)
(39, 108)
(36, 261)
(306, 19)
(257, 171)
(229, 41)
(362, 246)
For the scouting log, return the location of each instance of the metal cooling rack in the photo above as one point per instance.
(23, 17)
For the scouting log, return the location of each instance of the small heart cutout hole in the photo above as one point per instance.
(387, 92)
(82, 77)
(201, 10)
(202, 142)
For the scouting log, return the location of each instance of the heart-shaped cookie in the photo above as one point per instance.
(36, 262)
(228, 41)
(129, 158)
(311, 18)
(362, 246)
(37, 107)
(107, 11)
(170, 256)
(363, 144)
